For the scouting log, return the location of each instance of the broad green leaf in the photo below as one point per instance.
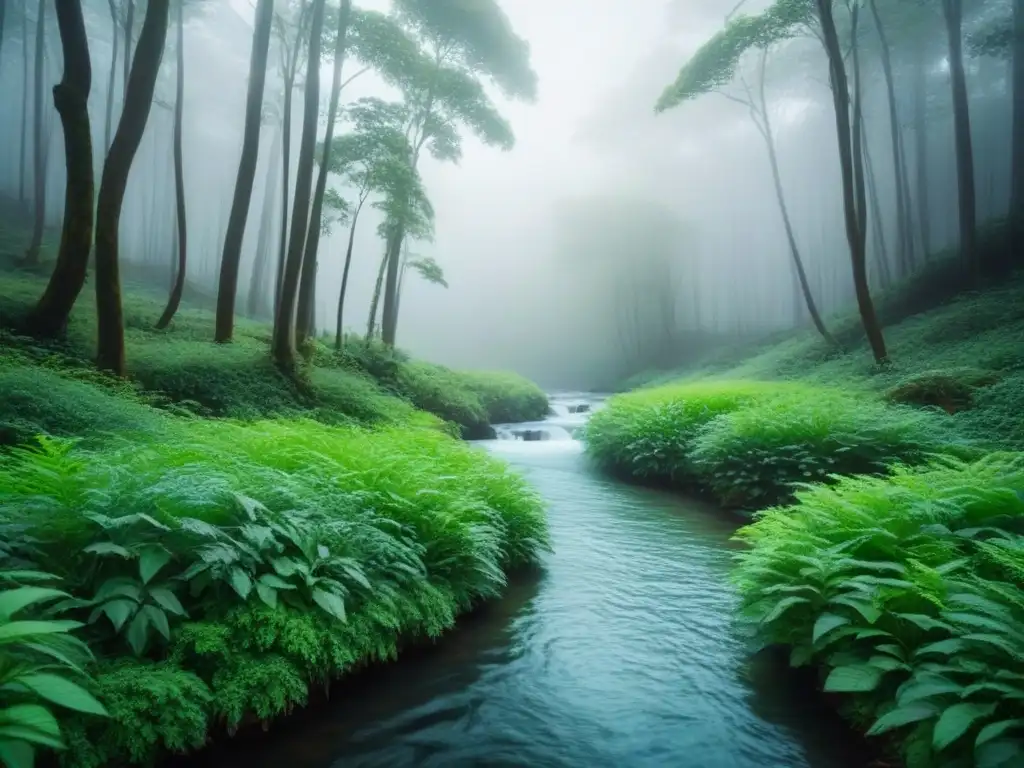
(275, 582)
(870, 613)
(330, 603)
(138, 633)
(267, 594)
(151, 560)
(19, 631)
(158, 619)
(782, 606)
(118, 611)
(943, 647)
(853, 678)
(63, 692)
(241, 583)
(107, 548)
(14, 600)
(16, 754)
(915, 691)
(926, 623)
(825, 624)
(997, 729)
(31, 719)
(903, 715)
(119, 586)
(1005, 753)
(956, 720)
(17, 576)
(167, 600)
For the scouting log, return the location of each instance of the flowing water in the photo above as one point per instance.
(618, 652)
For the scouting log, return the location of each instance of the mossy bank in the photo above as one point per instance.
(200, 546)
(887, 548)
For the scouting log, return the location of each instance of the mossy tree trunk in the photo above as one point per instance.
(71, 98)
(130, 128)
(231, 258)
(181, 239)
(307, 283)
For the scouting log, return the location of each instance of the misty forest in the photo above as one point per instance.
(512, 382)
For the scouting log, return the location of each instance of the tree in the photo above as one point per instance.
(255, 306)
(307, 282)
(112, 77)
(1017, 155)
(174, 300)
(462, 43)
(953, 14)
(231, 257)
(714, 66)
(3, 16)
(71, 98)
(130, 128)
(283, 342)
(38, 145)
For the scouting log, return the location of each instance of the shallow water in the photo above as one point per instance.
(619, 652)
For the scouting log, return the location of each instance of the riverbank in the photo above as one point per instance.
(210, 540)
(897, 571)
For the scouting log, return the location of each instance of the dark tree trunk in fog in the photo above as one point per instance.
(953, 13)
(852, 196)
(255, 301)
(3, 18)
(130, 128)
(307, 283)
(283, 344)
(344, 272)
(231, 257)
(24, 105)
(1016, 249)
(921, 148)
(38, 144)
(112, 77)
(129, 28)
(903, 233)
(375, 301)
(878, 230)
(71, 97)
(174, 300)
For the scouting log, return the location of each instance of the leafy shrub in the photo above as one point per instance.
(997, 417)
(906, 590)
(506, 397)
(649, 434)
(951, 390)
(441, 391)
(755, 455)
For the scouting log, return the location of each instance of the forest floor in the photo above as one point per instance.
(225, 540)
(887, 542)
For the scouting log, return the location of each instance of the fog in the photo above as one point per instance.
(610, 238)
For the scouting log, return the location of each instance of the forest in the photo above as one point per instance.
(788, 235)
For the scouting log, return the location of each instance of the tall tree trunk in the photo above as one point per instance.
(255, 301)
(841, 107)
(1016, 249)
(231, 258)
(283, 343)
(375, 301)
(22, 192)
(112, 77)
(921, 149)
(129, 28)
(174, 300)
(903, 234)
(389, 314)
(307, 282)
(953, 12)
(878, 230)
(71, 97)
(130, 128)
(3, 17)
(344, 272)
(38, 144)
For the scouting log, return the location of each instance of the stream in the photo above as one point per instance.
(619, 651)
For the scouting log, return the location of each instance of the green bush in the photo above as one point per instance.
(997, 417)
(441, 391)
(648, 434)
(951, 390)
(506, 397)
(232, 566)
(753, 456)
(906, 591)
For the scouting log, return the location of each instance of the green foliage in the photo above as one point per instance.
(429, 270)
(506, 397)
(907, 589)
(951, 390)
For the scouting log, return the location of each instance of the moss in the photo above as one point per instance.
(951, 390)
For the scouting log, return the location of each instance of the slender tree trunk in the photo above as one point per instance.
(231, 258)
(174, 300)
(921, 149)
(38, 144)
(283, 344)
(22, 192)
(953, 12)
(375, 301)
(844, 133)
(1016, 249)
(129, 28)
(898, 166)
(112, 77)
(307, 284)
(255, 305)
(878, 231)
(71, 97)
(3, 17)
(130, 128)
(344, 274)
